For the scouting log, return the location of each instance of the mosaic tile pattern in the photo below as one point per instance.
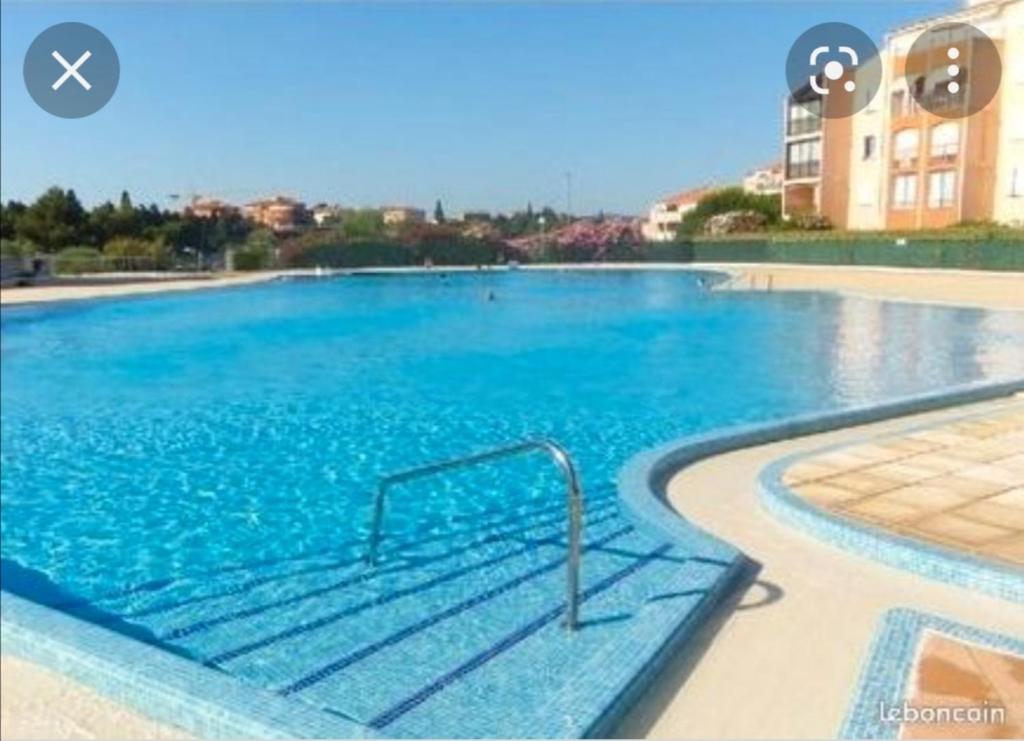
(897, 670)
(959, 485)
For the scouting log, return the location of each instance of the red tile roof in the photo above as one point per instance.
(687, 196)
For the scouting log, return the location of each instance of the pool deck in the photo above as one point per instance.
(959, 485)
(980, 289)
(786, 662)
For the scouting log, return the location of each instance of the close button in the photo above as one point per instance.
(71, 70)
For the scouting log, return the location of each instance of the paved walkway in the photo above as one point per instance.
(960, 485)
(786, 661)
(974, 288)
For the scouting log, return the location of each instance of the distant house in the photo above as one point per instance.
(324, 213)
(280, 213)
(765, 180)
(209, 208)
(664, 217)
(400, 215)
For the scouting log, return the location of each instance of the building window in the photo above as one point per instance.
(898, 104)
(803, 159)
(942, 189)
(945, 140)
(804, 118)
(870, 146)
(905, 146)
(904, 191)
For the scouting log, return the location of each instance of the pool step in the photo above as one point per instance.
(419, 645)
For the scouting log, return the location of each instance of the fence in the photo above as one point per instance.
(963, 254)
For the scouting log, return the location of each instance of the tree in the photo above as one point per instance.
(132, 252)
(10, 214)
(55, 220)
(726, 200)
(438, 212)
(364, 223)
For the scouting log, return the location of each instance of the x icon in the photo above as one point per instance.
(71, 70)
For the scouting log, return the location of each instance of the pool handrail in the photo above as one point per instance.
(574, 505)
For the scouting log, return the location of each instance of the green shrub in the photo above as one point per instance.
(16, 248)
(78, 260)
(247, 259)
(130, 253)
(726, 200)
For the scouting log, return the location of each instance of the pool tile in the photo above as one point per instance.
(995, 473)
(952, 673)
(935, 462)
(1011, 549)
(906, 473)
(959, 529)
(809, 471)
(994, 513)
(865, 483)
(971, 486)
(885, 509)
(827, 493)
(927, 498)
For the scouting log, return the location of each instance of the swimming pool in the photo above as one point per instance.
(197, 471)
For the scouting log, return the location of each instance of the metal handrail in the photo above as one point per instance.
(574, 503)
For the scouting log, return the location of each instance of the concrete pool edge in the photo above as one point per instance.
(930, 560)
(644, 479)
(178, 691)
(162, 686)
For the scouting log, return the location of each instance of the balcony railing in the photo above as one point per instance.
(944, 153)
(904, 161)
(809, 169)
(943, 100)
(805, 125)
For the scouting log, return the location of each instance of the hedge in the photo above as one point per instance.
(394, 254)
(964, 254)
(995, 254)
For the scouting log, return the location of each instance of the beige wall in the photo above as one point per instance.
(866, 207)
(1009, 209)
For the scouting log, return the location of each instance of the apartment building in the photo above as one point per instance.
(896, 164)
(401, 215)
(209, 208)
(765, 180)
(280, 213)
(801, 168)
(665, 215)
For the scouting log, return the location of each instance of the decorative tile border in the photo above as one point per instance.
(177, 691)
(930, 560)
(161, 685)
(887, 670)
(643, 483)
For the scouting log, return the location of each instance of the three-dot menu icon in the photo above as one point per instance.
(953, 70)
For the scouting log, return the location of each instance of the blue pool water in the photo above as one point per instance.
(196, 470)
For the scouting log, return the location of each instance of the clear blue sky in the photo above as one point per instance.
(483, 106)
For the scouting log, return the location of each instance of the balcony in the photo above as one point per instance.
(904, 161)
(803, 125)
(944, 154)
(808, 169)
(942, 101)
